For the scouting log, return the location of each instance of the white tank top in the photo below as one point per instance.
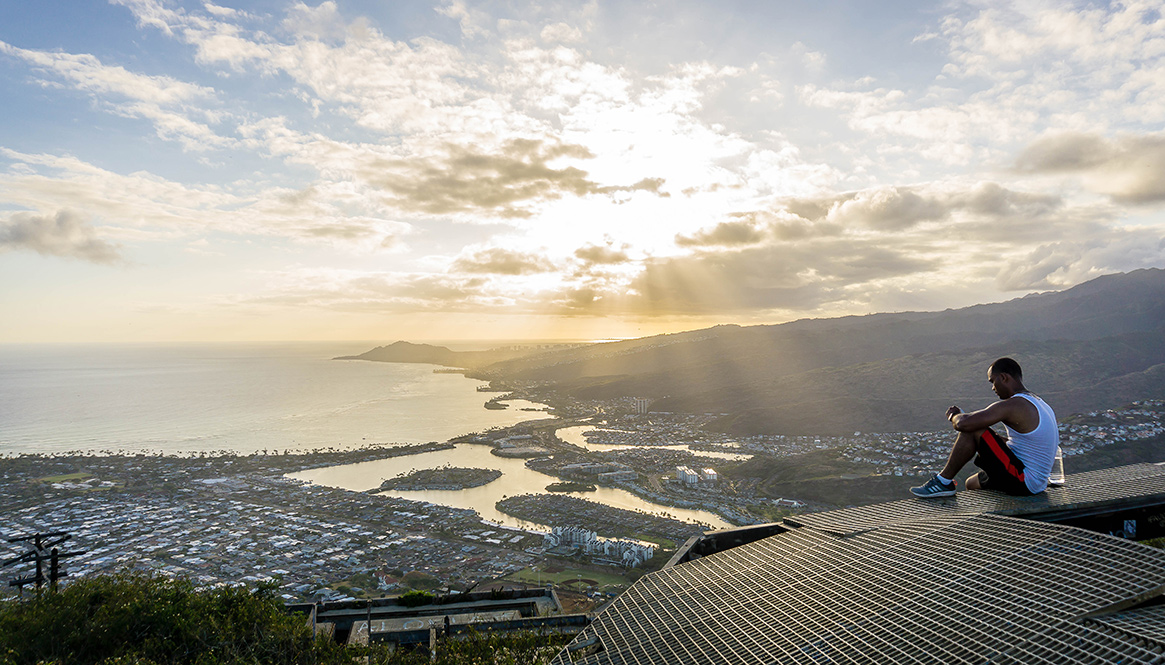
(1037, 448)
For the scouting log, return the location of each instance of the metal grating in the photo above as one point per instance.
(1076, 643)
(948, 588)
(1146, 623)
(1094, 488)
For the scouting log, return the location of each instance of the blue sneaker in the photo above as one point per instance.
(934, 487)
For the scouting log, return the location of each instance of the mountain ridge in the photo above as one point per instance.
(1096, 345)
(827, 376)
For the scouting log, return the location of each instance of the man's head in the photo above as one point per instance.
(1006, 377)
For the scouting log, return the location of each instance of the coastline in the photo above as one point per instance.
(193, 399)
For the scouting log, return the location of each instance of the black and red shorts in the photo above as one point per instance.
(1001, 469)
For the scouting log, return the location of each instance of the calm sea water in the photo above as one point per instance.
(239, 397)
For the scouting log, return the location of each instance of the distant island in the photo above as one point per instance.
(441, 478)
(570, 486)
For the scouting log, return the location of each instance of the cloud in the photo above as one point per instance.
(723, 234)
(1012, 71)
(991, 237)
(798, 277)
(472, 22)
(352, 232)
(166, 102)
(993, 199)
(1080, 257)
(1129, 168)
(327, 213)
(603, 254)
(501, 261)
(891, 209)
(1065, 152)
(373, 291)
(502, 183)
(561, 33)
(66, 234)
(320, 22)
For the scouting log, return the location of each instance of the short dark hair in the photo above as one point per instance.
(1007, 366)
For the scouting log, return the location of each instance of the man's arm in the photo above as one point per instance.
(1003, 410)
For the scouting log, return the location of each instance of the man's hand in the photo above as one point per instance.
(952, 412)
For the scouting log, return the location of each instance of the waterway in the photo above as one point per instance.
(516, 479)
(575, 436)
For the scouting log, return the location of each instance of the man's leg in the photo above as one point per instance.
(943, 484)
(1001, 469)
(962, 451)
(974, 482)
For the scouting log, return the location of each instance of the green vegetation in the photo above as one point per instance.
(137, 619)
(662, 542)
(418, 580)
(556, 575)
(66, 477)
(770, 513)
(528, 648)
(130, 619)
(814, 476)
(442, 477)
(360, 585)
(1114, 454)
(416, 598)
(570, 486)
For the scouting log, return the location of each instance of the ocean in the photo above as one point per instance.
(193, 398)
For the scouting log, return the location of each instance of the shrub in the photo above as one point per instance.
(484, 648)
(131, 619)
(137, 619)
(416, 598)
(419, 580)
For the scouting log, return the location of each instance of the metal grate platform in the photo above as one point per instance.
(1072, 644)
(1083, 491)
(1147, 623)
(943, 588)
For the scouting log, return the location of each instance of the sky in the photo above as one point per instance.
(175, 170)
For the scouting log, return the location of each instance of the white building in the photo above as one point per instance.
(570, 535)
(626, 552)
(627, 474)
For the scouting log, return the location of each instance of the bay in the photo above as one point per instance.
(194, 398)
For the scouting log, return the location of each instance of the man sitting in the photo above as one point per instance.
(1021, 464)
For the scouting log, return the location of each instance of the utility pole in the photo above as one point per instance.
(43, 549)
